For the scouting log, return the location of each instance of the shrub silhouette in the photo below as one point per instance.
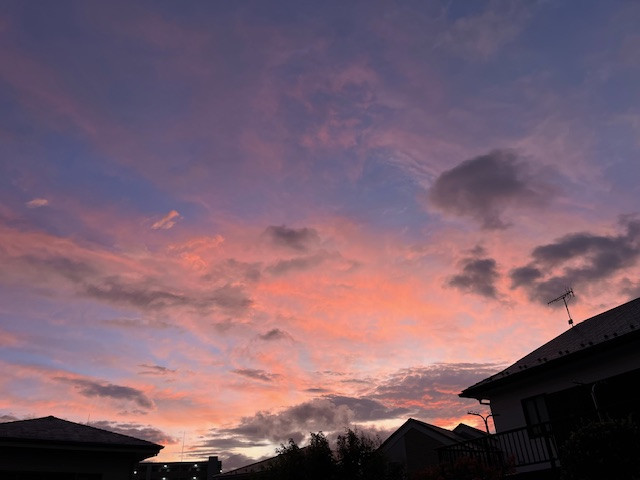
(464, 468)
(602, 450)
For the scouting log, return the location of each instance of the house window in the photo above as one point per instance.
(536, 414)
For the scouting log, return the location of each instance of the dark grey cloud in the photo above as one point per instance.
(224, 326)
(356, 381)
(294, 422)
(138, 323)
(299, 239)
(546, 290)
(317, 390)
(228, 442)
(274, 334)
(282, 267)
(328, 413)
(8, 418)
(90, 388)
(524, 275)
(235, 270)
(578, 259)
(230, 460)
(223, 444)
(483, 187)
(478, 275)
(147, 296)
(430, 391)
(140, 295)
(145, 432)
(256, 374)
(366, 409)
(155, 370)
(74, 270)
(232, 298)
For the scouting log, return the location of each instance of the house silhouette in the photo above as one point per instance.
(585, 373)
(54, 449)
(414, 445)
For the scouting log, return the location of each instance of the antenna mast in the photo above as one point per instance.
(567, 294)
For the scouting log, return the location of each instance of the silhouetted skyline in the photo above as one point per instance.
(238, 222)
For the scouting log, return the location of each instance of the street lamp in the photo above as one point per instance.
(485, 418)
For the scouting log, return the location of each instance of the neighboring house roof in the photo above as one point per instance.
(605, 330)
(252, 467)
(52, 430)
(468, 432)
(441, 434)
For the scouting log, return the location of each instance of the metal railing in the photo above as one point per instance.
(515, 448)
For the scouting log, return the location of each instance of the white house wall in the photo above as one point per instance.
(506, 403)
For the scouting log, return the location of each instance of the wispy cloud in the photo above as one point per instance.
(146, 432)
(167, 222)
(92, 388)
(484, 34)
(37, 203)
(256, 374)
(297, 264)
(155, 370)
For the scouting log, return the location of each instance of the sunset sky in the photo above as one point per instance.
(236, 222)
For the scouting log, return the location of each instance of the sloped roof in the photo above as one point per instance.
(468, 432)
(55, 430)
(423, 426)
(600, 331)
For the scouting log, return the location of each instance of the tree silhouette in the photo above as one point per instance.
(320, 463)
(356, 457)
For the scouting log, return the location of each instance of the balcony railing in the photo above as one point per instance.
(515, 448)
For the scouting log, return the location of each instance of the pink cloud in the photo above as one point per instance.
(167, 222)
(37, 202)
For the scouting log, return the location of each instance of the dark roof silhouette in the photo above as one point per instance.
(602, 331)
(55, 430)
(467, 432)
(450, 435)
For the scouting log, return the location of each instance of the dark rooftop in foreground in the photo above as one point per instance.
(55, 430)
(595, 332)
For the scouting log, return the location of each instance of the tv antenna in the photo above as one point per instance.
(567, 294)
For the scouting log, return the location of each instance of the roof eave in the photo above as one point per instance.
(479, 392)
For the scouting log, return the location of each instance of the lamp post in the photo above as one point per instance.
(485, 418)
